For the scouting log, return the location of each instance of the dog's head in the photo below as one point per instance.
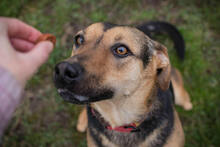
(110, 61)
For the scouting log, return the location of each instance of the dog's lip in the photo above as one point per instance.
(77, 97)
(61, 90)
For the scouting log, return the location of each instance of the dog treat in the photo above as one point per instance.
(47, 37)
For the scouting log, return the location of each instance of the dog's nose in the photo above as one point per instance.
(67, 73)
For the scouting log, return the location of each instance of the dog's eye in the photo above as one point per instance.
(120, 50)
(79, 39)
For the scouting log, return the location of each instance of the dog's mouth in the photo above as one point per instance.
(74, 98)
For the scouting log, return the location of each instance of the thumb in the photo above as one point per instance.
(38, 55)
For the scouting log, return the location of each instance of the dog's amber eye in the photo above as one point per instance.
(121, 50)
(79, 39)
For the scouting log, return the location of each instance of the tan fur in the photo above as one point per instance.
(151, 137)
(82, 122)
(132, 82)
(107, 142)
(181, 95)
(115, 111)
(90, 142)
(163, 63)
(177, 138)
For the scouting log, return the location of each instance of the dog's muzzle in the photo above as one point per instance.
(67, 74)
(74, 87)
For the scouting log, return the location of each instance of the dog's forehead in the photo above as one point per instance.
(111, 34)
(94, 30)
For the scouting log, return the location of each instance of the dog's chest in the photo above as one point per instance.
(154, 130)
(153, 138)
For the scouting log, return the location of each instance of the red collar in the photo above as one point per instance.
(133, 127)
(127, 128)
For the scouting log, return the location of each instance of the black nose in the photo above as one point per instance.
(67, 73)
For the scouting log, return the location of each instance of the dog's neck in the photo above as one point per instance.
(126, 110)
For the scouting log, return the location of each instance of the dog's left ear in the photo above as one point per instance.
(163, 66)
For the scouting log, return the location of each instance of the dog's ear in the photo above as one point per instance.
(163, 66)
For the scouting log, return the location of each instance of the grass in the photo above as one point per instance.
(43, 119)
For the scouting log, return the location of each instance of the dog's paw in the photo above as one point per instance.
(82, 121)
(81, 127)
(188, 106)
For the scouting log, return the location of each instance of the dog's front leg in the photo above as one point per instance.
(82, 123)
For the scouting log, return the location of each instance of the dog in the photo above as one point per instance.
(126, 81)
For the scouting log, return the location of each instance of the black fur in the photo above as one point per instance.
(94, 134)
(91, 97)
(145, 55)
(161, 115)
(108, 26)
(105, 94)
(159, 27)
(172, 92)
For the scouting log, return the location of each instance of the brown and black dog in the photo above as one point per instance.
(124, 79)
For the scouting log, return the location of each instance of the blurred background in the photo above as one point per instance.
(44, 119)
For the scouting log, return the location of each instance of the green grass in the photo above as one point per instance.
(43, 119)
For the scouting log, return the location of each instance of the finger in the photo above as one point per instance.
(5, 44)
(38, 55)
(21, 45)
(18, 29)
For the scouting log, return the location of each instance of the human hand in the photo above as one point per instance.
(18, 52)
